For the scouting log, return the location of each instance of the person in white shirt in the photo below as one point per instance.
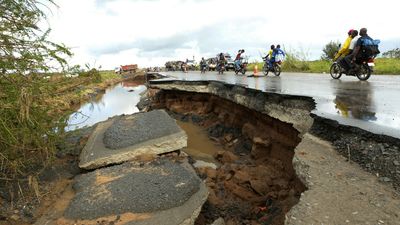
(353, 42)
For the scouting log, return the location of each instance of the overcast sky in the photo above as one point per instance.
(150, 32)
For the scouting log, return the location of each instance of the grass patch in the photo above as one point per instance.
(108, 75)
(388, 66)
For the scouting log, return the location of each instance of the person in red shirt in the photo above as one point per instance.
(238, 59)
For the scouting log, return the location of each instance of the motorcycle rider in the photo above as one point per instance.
(238, 59)
(270, 52)
(221, 60)
(344, 50)
(203, 64)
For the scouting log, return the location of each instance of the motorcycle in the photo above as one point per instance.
(362, 69)
(242, 68)
(276, 66)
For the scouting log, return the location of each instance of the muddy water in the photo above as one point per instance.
(117, 100)
(200, 147)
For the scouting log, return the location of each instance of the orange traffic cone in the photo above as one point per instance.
(255, 72)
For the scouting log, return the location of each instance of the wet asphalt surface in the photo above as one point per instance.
(131, 130)
(372, 105)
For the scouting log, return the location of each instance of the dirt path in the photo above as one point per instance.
(339, 192)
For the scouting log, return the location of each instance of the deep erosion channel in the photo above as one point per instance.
(255, 180)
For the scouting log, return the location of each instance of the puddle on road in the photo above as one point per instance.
(117, 100)
(200, 146)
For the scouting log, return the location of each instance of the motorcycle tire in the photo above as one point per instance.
(277, 70)
(365, 72)
(243, 71)
(265, 70)
(236, 72)
(335, 71)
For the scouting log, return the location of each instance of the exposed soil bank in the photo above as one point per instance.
(256, 182)
(338, 192)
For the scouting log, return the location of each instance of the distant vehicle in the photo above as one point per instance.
(243, 66)
(212, 63)
(230, 63)
(127, 69)
(190, 64)
(276, 66)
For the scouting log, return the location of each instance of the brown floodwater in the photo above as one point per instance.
(200, 146)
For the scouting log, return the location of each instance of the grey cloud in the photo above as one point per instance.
(227, 35)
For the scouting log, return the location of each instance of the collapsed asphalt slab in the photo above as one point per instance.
(159, 192)
(123, 138)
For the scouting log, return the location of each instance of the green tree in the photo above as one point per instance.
(330, 50)
(394, 53)
(28, 129)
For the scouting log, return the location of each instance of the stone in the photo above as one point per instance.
(211, 173)
(219, 221)
(241, 176)
(396, 163)
(137, 194)
(228, 157)
(124, 138)
(260, 186)
(239, 191)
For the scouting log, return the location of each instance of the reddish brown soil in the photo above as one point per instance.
(256, 182)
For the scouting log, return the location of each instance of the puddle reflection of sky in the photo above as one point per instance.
(116, 101)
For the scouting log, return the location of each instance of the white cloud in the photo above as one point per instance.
(151, 32)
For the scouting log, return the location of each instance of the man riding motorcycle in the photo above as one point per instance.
(238, 59)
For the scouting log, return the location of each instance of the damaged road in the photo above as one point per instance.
(354, 195)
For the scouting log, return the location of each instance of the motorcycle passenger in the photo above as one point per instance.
(270, 52)
(360, 52)
(277, 54)
(238, 59)
(344, 50)
(355, 37)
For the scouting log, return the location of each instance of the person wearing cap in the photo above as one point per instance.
(344, 50)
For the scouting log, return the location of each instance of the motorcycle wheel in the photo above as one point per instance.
(236, 71)
(335, 71)
(277, 70)
(243, 71)
(265, 70)
(365, 72)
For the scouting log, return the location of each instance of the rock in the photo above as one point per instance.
(260, 152)
(213, 199)
(124, 138)
(219, 221)
(249, 130)
(260, 186)
(137, 194)
(228, 157)
(241, 176)
(15, 217)
(228, 137)
(396, 163)
(211, 173)
(239, 191)
(260, 141)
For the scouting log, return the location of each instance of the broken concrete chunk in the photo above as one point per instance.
(160, 192)
(124, 138)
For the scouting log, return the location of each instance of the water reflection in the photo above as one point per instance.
(118, 100)
(354, 99)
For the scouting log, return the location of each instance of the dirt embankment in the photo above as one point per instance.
(256, 182)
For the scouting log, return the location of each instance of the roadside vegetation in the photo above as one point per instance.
(387, 63)
(35, 97)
